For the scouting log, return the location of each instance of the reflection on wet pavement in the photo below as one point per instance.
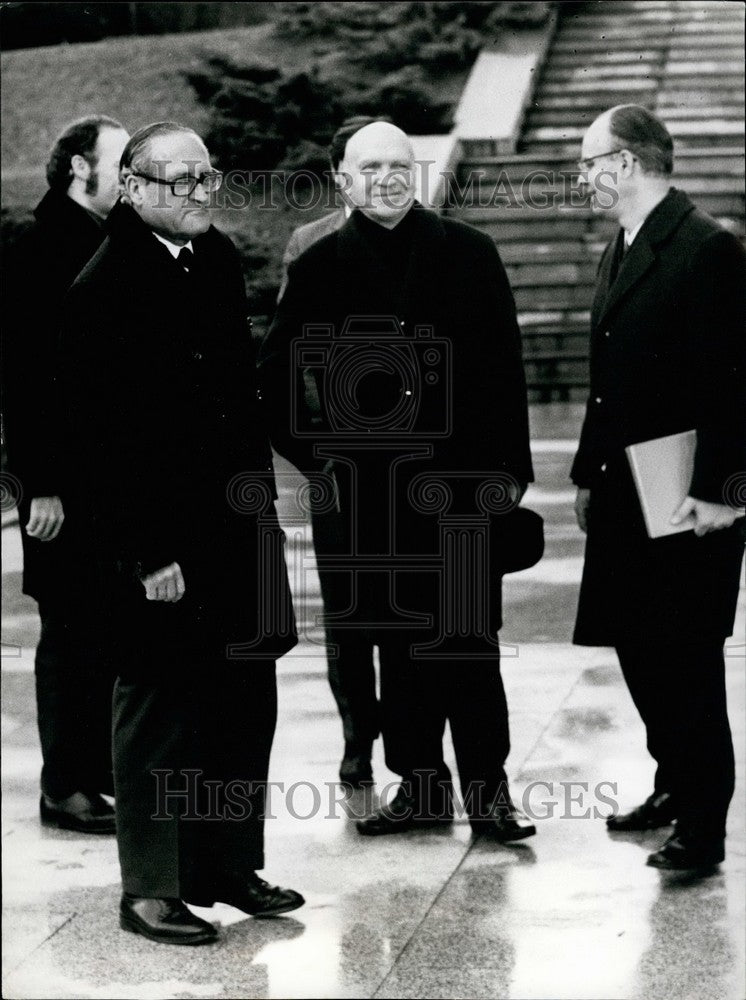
(573, 913)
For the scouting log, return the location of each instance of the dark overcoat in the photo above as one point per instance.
(667, 355)
(171, 459)
(418, 391)
(36, 274)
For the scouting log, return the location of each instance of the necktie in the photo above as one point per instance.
(619, 251)
(186, 259)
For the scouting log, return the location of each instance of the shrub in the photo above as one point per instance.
(263, 119)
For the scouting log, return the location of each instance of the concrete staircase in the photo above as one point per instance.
(682, 58)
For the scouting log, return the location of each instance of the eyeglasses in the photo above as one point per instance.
(587, 163)
(183, 187)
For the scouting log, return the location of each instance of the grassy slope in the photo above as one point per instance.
(134, 79)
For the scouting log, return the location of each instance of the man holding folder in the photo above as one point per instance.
(667, 356)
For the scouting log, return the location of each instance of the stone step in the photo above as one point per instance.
(596, 44)
(549, 252)
(562, 354)
(714, 84)
(694, 113)
(531, 226)
(635, 89)
(675, 95)
(718, 205)
(697, 185)
(712, 128)
(600, 7)
(570, 151)
(689, 9)
(538, 118)
(558, 373)
(705, 131)
(599, 71)
(548, 276)
(717, 56)
(628, 55)
(639, 88)
(669, 75)
(563, 61)
(573, 296)
(556, 322)
(717, 155)
(638, 29)
(481, 185)
(651, 35)
(705, 67)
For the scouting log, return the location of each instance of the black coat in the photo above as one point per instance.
(37, 273)
(440, 398)
(667, 355)
(172, 463)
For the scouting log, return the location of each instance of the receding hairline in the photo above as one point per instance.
(139, 149)
(387, 129)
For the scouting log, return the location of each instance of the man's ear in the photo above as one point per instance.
(131, 188)
(80, 167)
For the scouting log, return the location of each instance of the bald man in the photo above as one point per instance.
(667, 355)
(407, 325)
(350, 665)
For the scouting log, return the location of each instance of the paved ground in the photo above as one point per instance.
(572, 913)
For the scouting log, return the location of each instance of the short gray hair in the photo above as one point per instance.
(136, 153)
(644, 134)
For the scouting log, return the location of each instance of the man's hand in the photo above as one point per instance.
(165, 584)
(582, 501)
(706, 516)
(45, 519)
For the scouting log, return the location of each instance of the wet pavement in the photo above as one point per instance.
(573, 912)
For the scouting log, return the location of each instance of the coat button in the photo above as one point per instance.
(607, 334)
(197, 356)
(597, 399)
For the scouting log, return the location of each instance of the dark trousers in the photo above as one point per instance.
(418, 697)
(349, 651)
(75, 677)
(190, 770)
(679, 691)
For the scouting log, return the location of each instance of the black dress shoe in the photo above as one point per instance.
(657, 810)
(82, 812)
(355, 769)
(685, 852)
(506, 824)
(166, 921)
(255, 897)
(401, 814)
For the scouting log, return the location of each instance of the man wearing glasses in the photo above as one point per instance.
(667, 356)
(160, 394)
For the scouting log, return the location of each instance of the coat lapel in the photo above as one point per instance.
(657, 228)
(638, 259)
